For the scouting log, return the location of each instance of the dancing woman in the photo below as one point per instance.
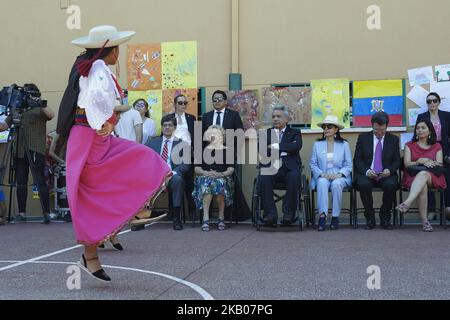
(103, 172)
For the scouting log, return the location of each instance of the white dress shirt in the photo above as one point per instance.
(221, 116)
(182, 131)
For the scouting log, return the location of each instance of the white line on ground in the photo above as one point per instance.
(20, 263)
(202, 292)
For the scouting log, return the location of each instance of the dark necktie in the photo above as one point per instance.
(218, 117)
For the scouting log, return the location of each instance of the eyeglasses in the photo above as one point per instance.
(429, 101)
(168, 125)
(182, 103)
(328, 126)
(139, 105)
(218, 99)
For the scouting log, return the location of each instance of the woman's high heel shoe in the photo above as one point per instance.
(99, 274)
(402, 207)
(144, 217)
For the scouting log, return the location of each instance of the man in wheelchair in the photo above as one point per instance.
(283, 144)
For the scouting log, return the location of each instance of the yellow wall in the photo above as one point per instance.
(280, 41)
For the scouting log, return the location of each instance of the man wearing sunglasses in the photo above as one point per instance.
(221, 115)
(185, 132)
(376, 161)
(441, 123)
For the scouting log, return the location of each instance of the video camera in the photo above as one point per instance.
(20, 99)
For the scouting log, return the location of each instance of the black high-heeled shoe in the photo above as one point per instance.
(99, 274)
(117, 246)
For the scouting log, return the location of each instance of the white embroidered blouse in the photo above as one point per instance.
(98, 94)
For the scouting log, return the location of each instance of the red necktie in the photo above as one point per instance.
(165, 153)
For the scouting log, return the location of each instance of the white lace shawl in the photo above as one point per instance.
(98, 94)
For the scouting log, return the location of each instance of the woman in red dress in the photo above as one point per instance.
(422, 151)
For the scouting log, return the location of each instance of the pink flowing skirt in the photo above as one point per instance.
(109, 180)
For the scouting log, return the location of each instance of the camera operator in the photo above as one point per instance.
(34, 123)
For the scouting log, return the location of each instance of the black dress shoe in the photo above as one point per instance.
(288, 219)
(47, 219)
(369, 227)
(269, 221)
(387, 226)
(177, 226)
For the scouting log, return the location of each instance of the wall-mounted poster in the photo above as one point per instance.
(331, 96)
(378, 95)
(245, 102)
(179, 65)
(154, 100)
(297, 99)
(144, 66)
(191, 95)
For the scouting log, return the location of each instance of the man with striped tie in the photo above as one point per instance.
(165, 146)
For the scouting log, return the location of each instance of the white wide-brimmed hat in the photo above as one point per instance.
(100, 34)
(331, 119)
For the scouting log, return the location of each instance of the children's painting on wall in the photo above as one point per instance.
(144, 67)
(179, 65)
(246, 103)
(296, 99)
(330, 97)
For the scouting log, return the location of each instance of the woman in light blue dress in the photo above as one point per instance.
(331, 170)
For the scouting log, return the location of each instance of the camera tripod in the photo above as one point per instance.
(16, 131)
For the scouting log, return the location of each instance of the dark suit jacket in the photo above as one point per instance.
(190, 119)
(231, 120)
(291, 143)
(156, 145)
(444, 117)
(364, 153)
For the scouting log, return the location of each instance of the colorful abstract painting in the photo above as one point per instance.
(297, 99)
(170, 94)
(245, 102)
(179, 65)
(144, 67)
(331, 96)
(377, 95)
(154, 99)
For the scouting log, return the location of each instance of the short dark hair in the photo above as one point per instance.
(147, 112)
(432, 137)
(434, 94)
(224, 95)
(169, 118)
(33, 89)
(177, 97)
(380, 118)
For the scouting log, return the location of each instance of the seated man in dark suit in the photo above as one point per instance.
(287, 147)
(165, 146)
(377, 159)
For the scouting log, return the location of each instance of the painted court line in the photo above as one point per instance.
(202, 292)
(54, 253)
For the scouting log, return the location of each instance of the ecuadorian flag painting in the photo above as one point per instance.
(377, 95)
